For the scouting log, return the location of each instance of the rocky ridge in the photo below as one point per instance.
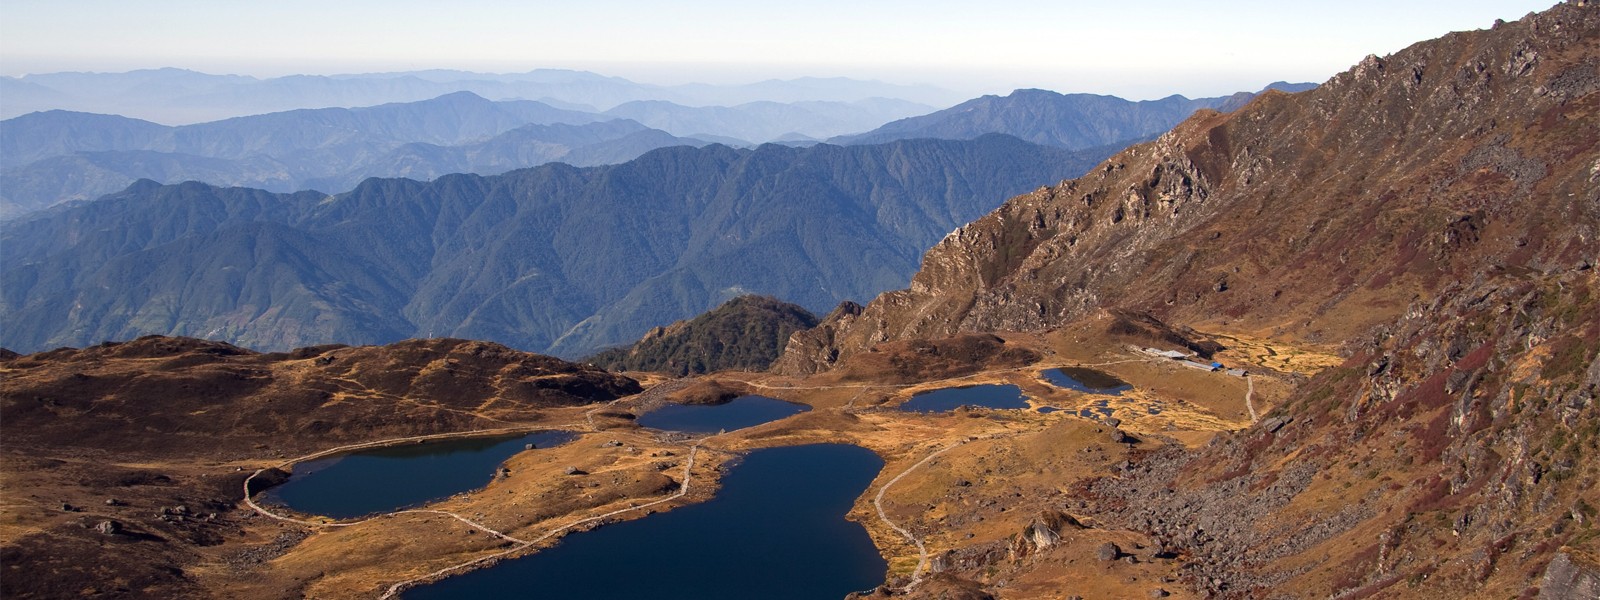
(1316, 215)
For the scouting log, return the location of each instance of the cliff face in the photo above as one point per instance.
(1313, 216)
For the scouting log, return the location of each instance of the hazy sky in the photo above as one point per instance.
(1133, 49)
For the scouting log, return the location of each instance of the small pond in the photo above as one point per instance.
(739, 413)
(1100, 410)
(388, 479)
(948, 399)
(776, 529)
(1089, 381)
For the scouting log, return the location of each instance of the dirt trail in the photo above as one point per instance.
(877, 502)
(394, 590)
(652, 394)
(1250, 390)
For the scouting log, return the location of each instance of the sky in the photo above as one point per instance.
(1137, 50)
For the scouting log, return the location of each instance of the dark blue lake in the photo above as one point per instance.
(739, 413)
(1084, 380)
(775, 530)
(387, 479)
(948, 399)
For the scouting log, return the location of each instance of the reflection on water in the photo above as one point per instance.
(741, 412)
(987, 396)
(388, 479)
(775, 530)
(1089, 381)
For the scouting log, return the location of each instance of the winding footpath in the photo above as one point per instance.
(1249, 391)
(395, 589)
(688, 466)
(877, 502)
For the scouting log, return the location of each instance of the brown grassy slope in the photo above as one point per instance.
(165, 397)
(157, 435)
(1312, 216)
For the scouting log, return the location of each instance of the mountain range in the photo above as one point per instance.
(180, 96)
(58, 156)
(555, 258)
(1071, 121)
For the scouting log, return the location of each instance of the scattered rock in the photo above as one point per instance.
(576, 471)
(1108, 552)
(108, 527)
(1159, 593)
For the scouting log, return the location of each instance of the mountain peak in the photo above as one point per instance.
(1204, 186)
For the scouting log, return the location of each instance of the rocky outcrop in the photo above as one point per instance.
(1042, 533)
(1319, 214)
(1570, 577)
(815, 350)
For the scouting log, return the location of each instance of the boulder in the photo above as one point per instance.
(1570, 577)
(1108, 552)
